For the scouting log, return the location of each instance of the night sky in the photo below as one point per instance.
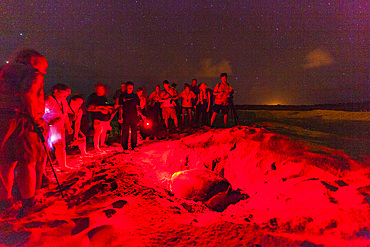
(275, 52)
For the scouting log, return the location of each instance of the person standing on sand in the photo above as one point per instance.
(222, 93)
(155, 106)
(187, 97)
(21, 109)
(101, 112)
(203, 104)
(130, 103)
(75, 114)
(56, 108)
(167, 98)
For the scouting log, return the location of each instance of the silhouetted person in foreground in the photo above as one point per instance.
(21, 108)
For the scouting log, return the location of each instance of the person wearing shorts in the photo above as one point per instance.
(101, 113)
(167, 97)
(187, 98)
(21, 109)
(222, 93)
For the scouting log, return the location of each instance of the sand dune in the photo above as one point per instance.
(298, 197)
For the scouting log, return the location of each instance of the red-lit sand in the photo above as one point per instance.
(297, 197)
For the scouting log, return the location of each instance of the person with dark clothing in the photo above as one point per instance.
(155, 106)
(118, 93)
(101, 112)
(116, 96)
(130, 104)
(203, 104)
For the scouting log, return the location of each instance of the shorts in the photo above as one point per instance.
(98, 124)
(19, 141)
(187, 108)
(223, 108)
(169, 112)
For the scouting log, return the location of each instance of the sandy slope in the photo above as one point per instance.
(297, 197)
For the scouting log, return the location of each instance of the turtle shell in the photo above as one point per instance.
(198, 184)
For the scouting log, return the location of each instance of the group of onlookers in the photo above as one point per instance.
(27, 117)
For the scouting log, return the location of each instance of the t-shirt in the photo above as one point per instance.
(166, 95)
(225, 90)
(187, 98)
(96, 100)
(129, 105)
(117, 94)
(56, 109)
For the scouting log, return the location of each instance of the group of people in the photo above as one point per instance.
(25, 114)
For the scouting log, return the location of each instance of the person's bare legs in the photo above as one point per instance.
(183, 116)
(225, 120)
(166, 122)
(7, 177)
(26, 179)
(189, 115)
(40, 171)
(213, 118)
(103, 135)
(82, 148)
(61, 155)
(175, 121)
(97, 133)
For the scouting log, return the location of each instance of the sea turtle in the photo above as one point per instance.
(198, 184)
(206, 186)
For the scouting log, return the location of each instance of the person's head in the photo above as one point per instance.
(123, 86)
(174, 85)
(157, 88)
(76, 101)
(129, 87)
(187, 87)
(60, 91)
(223, 77)
(166, 84)
(101, 89)
(194, 82)
(33, 58)
(203, 86)
(13, 76)
(140, 91)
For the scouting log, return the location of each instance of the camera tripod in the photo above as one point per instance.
(234, 113)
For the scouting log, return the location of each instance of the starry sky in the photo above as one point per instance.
(275, 52)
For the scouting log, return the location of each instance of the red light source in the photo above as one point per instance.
(147, 124)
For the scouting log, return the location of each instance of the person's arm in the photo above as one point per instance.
(120, 111)
(78, 123)
(215, 92)
(67, 123)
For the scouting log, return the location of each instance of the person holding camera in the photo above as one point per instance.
(21, 109)
(167, 98)
(222, 94)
